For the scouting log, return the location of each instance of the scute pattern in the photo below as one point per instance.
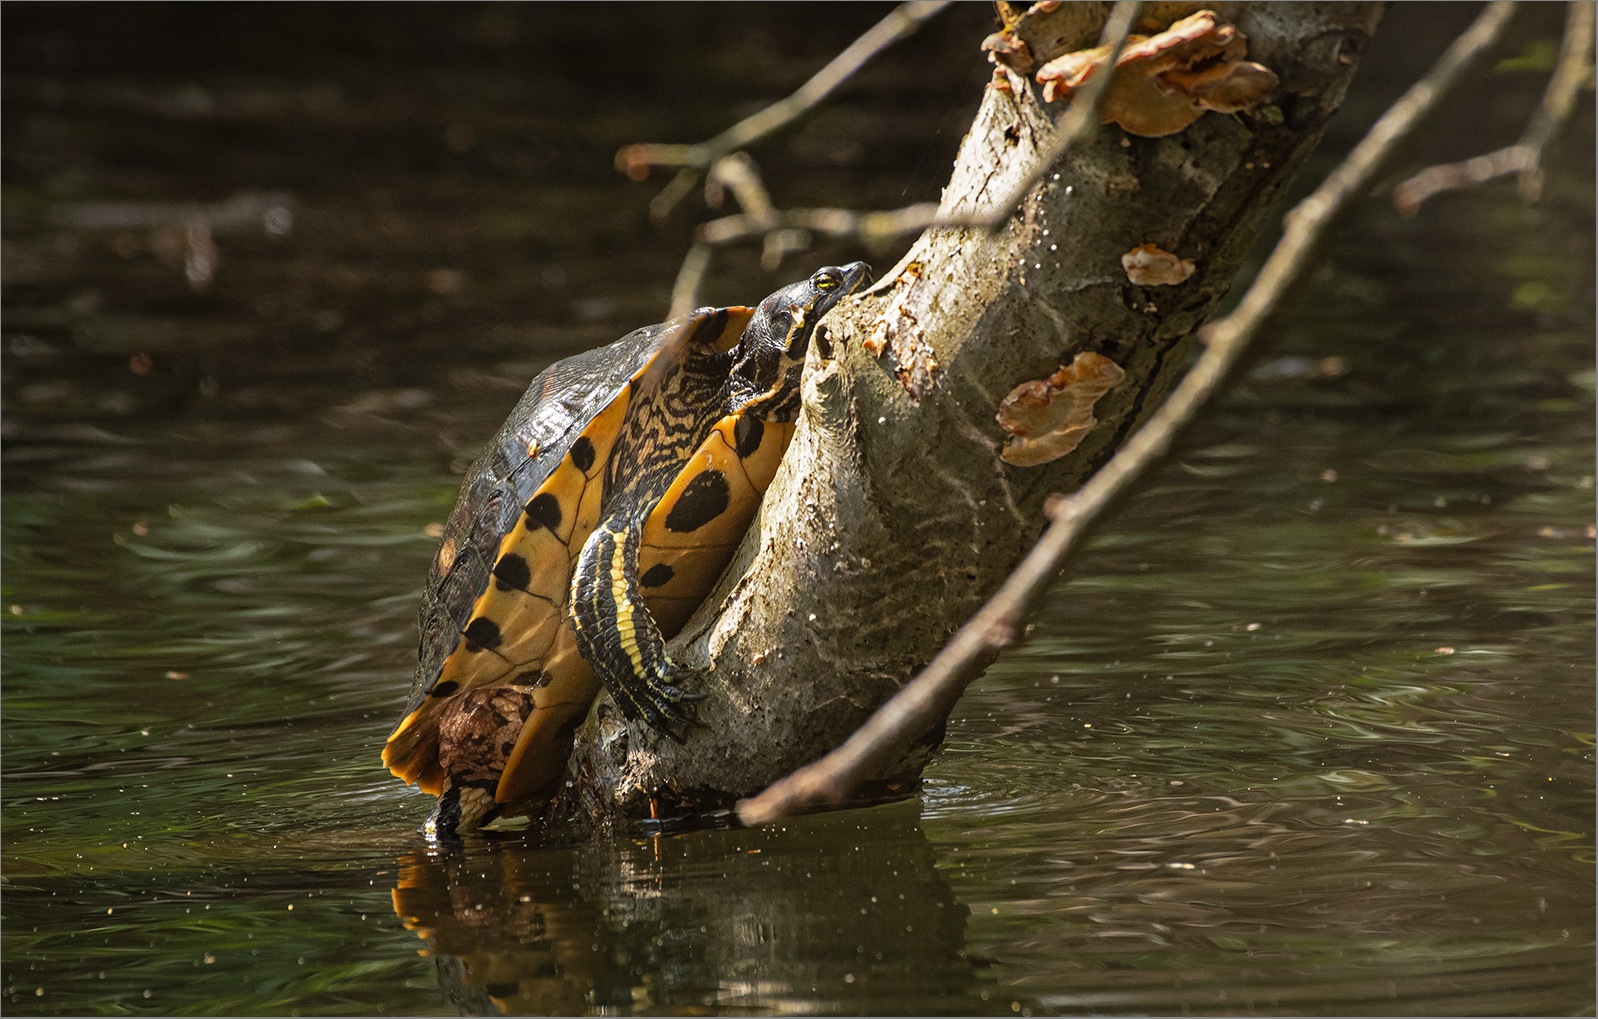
(536, 510)
(504, 488)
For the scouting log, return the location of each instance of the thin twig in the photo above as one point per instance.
(867, 227)
(782, 231)
(930, 696)
(760, 219)
(739, 174)
(661, 205)
(635, 160)
(1525, 156)
(685, 291)
(1082, 116)
(1559, 99)
(787, 231)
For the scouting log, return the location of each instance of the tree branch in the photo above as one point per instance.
(928, 698)
(737, 172)
(1074, 123)
(784, 231)
(636, 160)
(787, 231)
(1525, 156)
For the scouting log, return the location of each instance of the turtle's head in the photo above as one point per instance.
(771, 354)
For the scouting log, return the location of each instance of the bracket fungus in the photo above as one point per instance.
(1163, 83)
(1007, 51)
(1148, 265)
(1047, 418)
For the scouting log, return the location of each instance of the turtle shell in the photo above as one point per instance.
(494, 614)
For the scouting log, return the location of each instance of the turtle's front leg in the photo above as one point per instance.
(619, 638)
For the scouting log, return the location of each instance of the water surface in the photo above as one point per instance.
(1307, 730)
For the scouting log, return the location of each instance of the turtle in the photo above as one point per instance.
(584, 537)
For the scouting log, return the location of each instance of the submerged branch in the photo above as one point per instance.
(930, 696)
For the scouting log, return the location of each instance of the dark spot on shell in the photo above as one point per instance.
(511, 572)
(582, 454)
(748, 432)
(657, 575)
(703, 500)
(534, 678)
(506, 747)
(443, 689)
(483, 632)
(708, 331)
(543, 511)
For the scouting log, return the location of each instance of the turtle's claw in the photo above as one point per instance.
(662, 704)
(671, 710)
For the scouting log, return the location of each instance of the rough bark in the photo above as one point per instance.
(893, 518)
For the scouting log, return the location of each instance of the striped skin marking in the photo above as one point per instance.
(608, 586)
(615, 631)
(621, 597)
(619, 636)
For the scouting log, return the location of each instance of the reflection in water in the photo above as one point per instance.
(726, 920)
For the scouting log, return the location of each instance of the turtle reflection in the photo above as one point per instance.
(828, 914)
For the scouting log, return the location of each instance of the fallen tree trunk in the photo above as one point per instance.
(894, 515)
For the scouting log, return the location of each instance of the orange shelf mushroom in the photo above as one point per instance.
(1163, 83)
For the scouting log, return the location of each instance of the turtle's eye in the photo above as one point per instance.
(826, 280)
